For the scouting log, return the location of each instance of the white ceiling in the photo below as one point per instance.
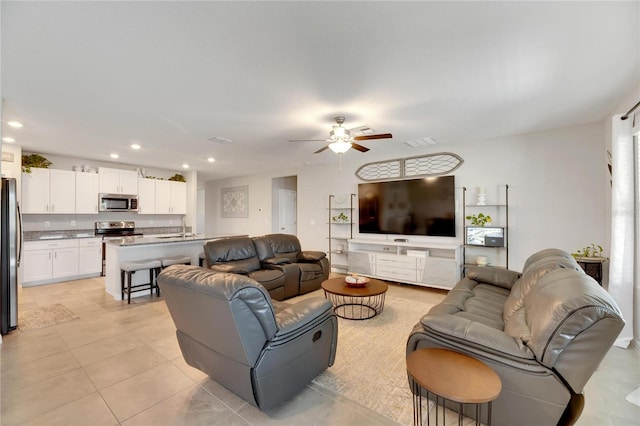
(90, 78)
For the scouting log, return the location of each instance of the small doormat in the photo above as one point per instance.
(44, 316)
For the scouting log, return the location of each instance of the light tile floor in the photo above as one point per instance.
(120, 364)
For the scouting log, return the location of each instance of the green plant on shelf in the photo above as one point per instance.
(341, 218)
(592, 250)
(34, 160)
(479, 219)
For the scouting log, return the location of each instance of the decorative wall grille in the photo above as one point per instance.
(423, 165)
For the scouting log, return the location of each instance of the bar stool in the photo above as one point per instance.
(175, 260)
(201, 259)
(128, 268)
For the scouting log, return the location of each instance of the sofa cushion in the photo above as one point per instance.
(501, 277)
(269, 278)
(474, 301)
(535, 270)
(309, 271)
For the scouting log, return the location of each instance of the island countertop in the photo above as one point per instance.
(149, 247)
(165, 239)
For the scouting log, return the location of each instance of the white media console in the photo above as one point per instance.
(426, 264)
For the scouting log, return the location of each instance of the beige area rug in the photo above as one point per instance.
(44, 316)
(370, 366)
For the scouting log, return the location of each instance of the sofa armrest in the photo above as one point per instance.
(296, 318)
(470, 333)
(311, 256)
(504, 278)
(274, 261)
(231, 269)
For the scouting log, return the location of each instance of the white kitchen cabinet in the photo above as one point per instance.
(90, 256)
(146, 196)
(87, 185)
(49, 261)
(117, 181)
(171, 197)
(49, 191)
(36, 264)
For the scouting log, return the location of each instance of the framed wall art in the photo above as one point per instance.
(234, 202)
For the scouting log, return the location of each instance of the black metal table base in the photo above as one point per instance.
(417, 408)
(356, 307)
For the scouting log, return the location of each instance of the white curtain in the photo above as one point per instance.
(624, 223)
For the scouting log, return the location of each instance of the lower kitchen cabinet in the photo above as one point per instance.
(45, 262)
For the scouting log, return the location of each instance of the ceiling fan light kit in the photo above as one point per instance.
(339, 147)
(340, 139)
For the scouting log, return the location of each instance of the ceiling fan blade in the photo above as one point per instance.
(359, 147)
(368, 137)
(321, 149)
(307, 140)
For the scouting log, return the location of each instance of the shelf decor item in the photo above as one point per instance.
(479, 219)
(340, 218)
(481, 193)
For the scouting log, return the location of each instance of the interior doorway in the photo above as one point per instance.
(284, 205)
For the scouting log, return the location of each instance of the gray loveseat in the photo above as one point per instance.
(276, 261)
(262, 350)
(544, 332)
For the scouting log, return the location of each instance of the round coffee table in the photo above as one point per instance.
(451, 376)
(355, 303)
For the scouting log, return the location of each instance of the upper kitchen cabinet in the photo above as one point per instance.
(87, 185)
(146, 196)
(49, 191)
(117, 181)
(171, 197)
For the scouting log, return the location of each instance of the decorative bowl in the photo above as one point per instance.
(356, 281)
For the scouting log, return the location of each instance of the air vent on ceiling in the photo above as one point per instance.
(220, 139)
(414, 143)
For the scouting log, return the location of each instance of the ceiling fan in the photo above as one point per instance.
(340, 139)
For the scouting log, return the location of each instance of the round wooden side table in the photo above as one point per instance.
(356, 303)
(452, 376)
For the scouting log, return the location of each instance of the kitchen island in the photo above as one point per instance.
(138, 248)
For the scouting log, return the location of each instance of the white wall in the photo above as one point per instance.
(558, 181)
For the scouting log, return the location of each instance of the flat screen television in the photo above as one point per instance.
(408, 207)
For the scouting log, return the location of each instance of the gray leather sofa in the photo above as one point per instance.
(285, 248)
(262, 350)
(276, 261)
(238, 255)
(544, 332)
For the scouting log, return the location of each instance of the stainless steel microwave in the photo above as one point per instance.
(118, 203)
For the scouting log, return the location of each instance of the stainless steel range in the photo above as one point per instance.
(111, 230)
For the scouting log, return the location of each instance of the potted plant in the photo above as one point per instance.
(479, 219)
(592, 251)
(177, 178)
(34, 160)
(341, 218)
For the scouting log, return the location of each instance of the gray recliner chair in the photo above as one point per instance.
(285, 248)
(262, 350)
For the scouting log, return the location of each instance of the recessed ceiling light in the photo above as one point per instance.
(14, 124)
(185, 166)
(114, 155)
(135, 146)
(8, 139)
(211, 160)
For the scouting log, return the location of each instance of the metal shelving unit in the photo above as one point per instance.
(340, 232)
(501, 213)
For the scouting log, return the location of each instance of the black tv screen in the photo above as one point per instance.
(408, 207)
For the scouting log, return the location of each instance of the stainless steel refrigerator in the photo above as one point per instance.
(10, 250)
